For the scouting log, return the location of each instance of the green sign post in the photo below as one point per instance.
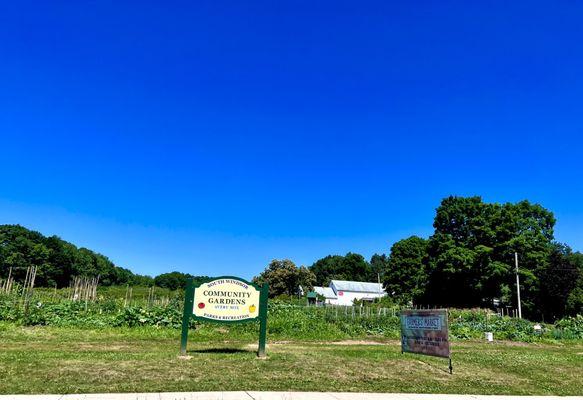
(226, 300)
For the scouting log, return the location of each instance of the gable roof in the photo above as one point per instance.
(326, 292)
(352, 286)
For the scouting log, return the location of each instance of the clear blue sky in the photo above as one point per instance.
(210, 137)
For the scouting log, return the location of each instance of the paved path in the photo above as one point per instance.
(275, 396)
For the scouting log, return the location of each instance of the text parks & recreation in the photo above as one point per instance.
(225, 299)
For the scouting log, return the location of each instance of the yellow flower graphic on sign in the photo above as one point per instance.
(252, 308)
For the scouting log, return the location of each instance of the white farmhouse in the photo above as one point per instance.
(348, 291)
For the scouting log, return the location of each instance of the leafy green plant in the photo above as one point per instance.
(285, 320)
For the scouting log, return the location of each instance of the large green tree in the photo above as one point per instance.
(574, 303)
(351, 267)
(284, 278)
(471, 253)
(405, 275)
(378, 265)
(560, 283)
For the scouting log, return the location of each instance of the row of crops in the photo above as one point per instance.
(146, 308)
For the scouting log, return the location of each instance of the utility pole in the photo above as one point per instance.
(380, 287)
(517, 285)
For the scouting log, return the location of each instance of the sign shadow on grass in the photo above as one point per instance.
(221, 350)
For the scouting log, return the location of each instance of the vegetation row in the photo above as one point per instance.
(285, 320)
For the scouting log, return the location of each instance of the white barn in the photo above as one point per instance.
(328, 294)
(348, 291)
(343, 293)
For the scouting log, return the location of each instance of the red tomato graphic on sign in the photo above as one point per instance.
(200, 305)
(340, 293)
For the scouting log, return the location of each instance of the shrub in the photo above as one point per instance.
(569, 328)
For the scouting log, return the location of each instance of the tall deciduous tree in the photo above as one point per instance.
(405, 276)
(284, 278)
(351, 267)
(559, 283)
(471, 254)
(378, 265)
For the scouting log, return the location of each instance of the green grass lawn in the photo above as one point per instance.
(66, 360)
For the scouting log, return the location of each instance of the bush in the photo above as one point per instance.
(569, 328)
(169, 316)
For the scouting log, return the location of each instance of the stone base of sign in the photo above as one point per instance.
(185, 357)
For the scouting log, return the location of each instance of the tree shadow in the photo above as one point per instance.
(221, 350)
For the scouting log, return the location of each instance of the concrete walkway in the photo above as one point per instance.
(275, 396)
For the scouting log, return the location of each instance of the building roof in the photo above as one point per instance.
(326, 292)
(363, 287)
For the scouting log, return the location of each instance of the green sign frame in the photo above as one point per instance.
(188, 312)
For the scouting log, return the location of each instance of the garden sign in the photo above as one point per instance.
(225, 299)
(425, 332)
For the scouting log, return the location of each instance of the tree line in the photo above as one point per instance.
(58, 261)
(469, 261)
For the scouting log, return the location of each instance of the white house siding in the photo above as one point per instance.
(346, 293)
(327, 293)
(347, 298)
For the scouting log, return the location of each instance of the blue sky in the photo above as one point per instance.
(212, 137)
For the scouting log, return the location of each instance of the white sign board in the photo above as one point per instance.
(226, 299)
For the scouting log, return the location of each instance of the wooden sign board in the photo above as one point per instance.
(226, 299)
(425, 332)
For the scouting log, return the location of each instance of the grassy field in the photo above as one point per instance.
(70, 360)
